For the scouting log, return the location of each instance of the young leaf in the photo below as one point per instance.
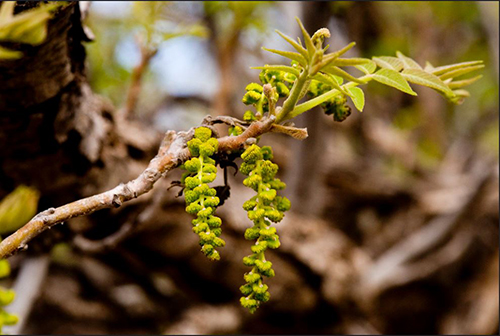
(459, 97)
(421, 77)
(307, 38)
(333, 70)
(393, 78)
(408, 63)
(294, 44)
(460, 72)
(388, 62)
(350, 61)
(358, 97)
(446, 68)
(329, 58)
(462, 83)
(367, 68)
(289, 54)
(330, 81)
(284, 68)
(9, 54)
(429, 67)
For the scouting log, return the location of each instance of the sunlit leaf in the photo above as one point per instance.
(284, 68)
(446, 68)
(367, 68)
(393, 78)
(408, 63)
(424, 78)
(358, 97)
(290, 55)
(388, 62)
(350, 61)
(8, 54)
(464, 82)
(307, 38)
(294, 44)
(341, 73)
(17, 208)
(329, 58)
(330, 81)
(459, 72)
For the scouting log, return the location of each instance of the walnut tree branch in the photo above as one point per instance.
(171, 154)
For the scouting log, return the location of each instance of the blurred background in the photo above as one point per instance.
(394, 220)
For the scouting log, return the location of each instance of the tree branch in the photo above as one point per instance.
(171, 154)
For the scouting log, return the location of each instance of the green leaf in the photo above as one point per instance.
(408, 63)
(460, 72)
(446, 68)
(8, 54)
(329, 58)
(358, 97)
(462, 83)
(284, 68)
(429, 67)
(420, 77)
(307, 38)
(4, 268)
(350, 61)
(393, 78)
(290, 55)
(388, 62)
(333, 70)
(294, 44)
(330, 81)
(17, 208)
(460, 95)
(367, 68)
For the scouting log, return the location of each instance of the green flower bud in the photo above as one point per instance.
(194, 146)
(214, 222)
(249, 205)
(267, 152)
(191, 196)
(246, 289)
(254, 87)
(274, 215)
(251, 233)
(203, 133)
(246, 168)
(191, 182)
(251, 97)
(193, 165)
(252, 154)
(252, 277)
(249, 261)
(193, 208)
(208, 178)
(249, 116)
(282, 90)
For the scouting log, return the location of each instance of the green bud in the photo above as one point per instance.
(249, 116)
(254, 87)
(203, 133)
(251, 97)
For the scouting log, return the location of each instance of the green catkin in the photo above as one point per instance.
(263, 209)
(201, 200)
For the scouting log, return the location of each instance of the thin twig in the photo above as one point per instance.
(136, 79)
(172, 153)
